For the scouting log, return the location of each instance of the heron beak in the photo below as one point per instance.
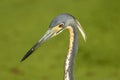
(49, 34)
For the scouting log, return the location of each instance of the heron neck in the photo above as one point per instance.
(69, 62)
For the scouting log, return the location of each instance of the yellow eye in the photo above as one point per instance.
(61, 25)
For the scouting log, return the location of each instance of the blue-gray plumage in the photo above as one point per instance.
(58, 24)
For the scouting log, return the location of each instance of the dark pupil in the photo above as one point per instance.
(61, 25)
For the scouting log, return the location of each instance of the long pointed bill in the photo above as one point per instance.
(50, 33)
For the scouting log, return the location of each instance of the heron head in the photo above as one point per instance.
(58, 24)
(62, 22)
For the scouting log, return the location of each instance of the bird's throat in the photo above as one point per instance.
(69, 62)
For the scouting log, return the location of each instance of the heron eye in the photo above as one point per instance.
(61, 25)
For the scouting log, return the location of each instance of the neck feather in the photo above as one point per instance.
(69, 62)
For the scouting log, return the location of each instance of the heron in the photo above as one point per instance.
(58, 24)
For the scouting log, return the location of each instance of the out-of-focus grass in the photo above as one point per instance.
(23, 22)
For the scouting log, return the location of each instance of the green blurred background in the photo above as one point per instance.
(23, 22)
